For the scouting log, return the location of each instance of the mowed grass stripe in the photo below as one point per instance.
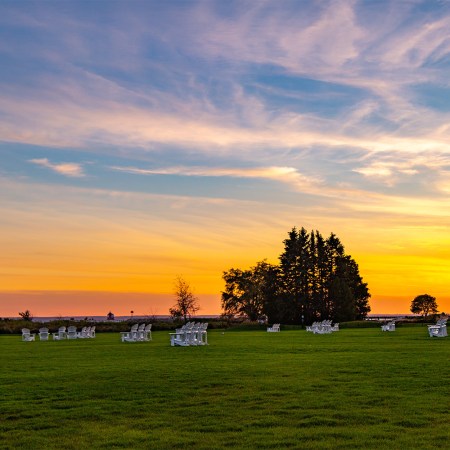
(250, 389)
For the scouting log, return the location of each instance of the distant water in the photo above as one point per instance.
(166, 317)
(391, 316)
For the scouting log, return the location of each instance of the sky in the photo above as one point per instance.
(145, 140)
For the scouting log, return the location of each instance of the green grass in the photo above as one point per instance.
(358, 388)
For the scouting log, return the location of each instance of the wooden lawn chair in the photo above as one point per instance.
(439, 329)
(275, 328)
(72, 332)
(148, 332)
(130, 336)
(60, 334)
(43, 334)
(27, 336)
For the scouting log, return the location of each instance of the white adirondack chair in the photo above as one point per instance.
(82, 334)
(43, 334)
(27, 336)
(203, 334)
(72, 332)
(390, 326)
(323, 327)
(91, 333)
(140, 332)
(179, 339)
(60, 334)
(440, 329)
(130, 336)
(181, 336)
(317, 328)
(147, 334)
(197, 334)
(275, 328)
(191, 331)
(327, 326)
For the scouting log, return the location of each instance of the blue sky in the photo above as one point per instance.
(231, 121)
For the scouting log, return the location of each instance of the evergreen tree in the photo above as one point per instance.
(359, 289)
(321, 301)
(295, 269)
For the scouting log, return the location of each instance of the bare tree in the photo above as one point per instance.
(186, 302)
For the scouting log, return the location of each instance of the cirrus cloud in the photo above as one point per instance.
(67, 169)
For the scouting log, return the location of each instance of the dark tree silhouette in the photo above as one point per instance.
(247, 291)
(26, 315)
(424, 304)
(314, 280)
(186, 302)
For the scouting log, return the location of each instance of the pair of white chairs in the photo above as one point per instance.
(84, 333)
(390, 326)
(439, 329)
(137, 333)
(324, 327)
(190, 334)
(27, 336)
(275, 328)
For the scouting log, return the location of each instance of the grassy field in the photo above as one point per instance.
(358, 388)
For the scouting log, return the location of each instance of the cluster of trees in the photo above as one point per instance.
(315, 280)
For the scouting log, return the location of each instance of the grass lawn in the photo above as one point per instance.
(358, 388)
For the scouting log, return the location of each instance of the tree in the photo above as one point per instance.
(186, 302)
(359, 289)
(315, 280)
(319, 280)
(26, 315)
(424, 304)
(247, 291)
(296, 269)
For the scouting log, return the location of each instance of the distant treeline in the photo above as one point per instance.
(14, 326)
(315, 280)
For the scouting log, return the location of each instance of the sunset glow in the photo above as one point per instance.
(145, 140)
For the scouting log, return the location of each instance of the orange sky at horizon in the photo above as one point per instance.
(91, 246)
(60, 280)
(87, 304)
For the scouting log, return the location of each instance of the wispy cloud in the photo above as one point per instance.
(67, 169)
(287, 175)
(86, 105)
